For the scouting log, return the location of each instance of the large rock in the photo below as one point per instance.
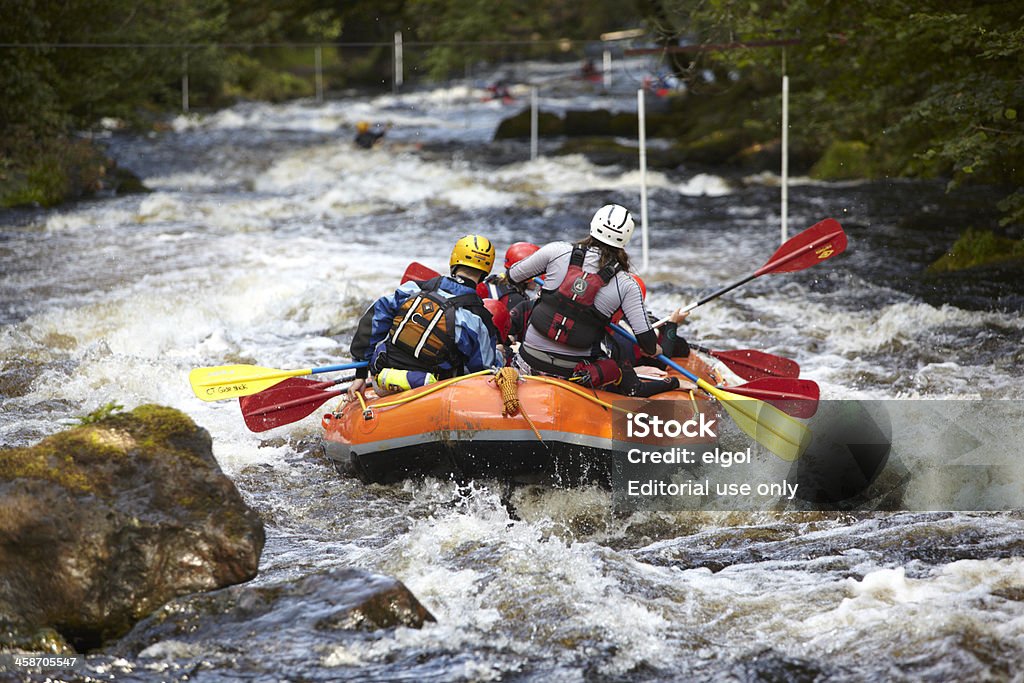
(103, 523)
(329, 606)
(518, 126)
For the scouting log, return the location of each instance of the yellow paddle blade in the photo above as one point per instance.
(233, 381)
(766, 424)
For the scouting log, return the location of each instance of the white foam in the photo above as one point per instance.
(705, 185)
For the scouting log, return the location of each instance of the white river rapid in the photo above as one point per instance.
(267, 233)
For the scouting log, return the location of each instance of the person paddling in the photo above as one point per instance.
(498, 286)
(430, 330)
(366, 138)
(585, 284)
(629, 355)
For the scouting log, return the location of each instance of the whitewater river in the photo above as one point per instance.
(266, 235)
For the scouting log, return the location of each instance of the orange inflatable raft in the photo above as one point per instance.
(530, 429)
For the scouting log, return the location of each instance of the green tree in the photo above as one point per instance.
(463, 28)
(932, 87)
(58, 80)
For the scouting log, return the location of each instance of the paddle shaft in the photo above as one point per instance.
(319, 398)
(821, 241)
(715, 295)
(759, 389)
(278, 374)
(235, 381)
(763, 422)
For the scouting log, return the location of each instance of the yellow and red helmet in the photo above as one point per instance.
(473, 251)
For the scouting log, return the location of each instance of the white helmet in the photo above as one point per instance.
(612, 225)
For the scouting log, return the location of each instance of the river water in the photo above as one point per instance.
(266, 235)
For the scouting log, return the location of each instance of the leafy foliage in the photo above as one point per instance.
(483, 30)
(978, 247)
(933, 88)
(103, 412)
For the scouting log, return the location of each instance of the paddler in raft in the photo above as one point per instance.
(426, 331)
(509, 302)
(497, 285)
(584, 285)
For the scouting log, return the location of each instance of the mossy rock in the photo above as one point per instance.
(723, 147)
(102, 523)
(518, 126)
(70, 458)
(624, 124)
(48, 172)
(605, 151)
(589, 122)
(844, 160)
(124, 181)
(978, 248)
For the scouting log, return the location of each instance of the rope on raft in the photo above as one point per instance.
(437, 386)
(507, 381)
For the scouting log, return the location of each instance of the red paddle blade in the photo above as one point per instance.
(284, 403)
(797, 397)
(303, 382)
(752, 364)
(817, 243)
(418, 272)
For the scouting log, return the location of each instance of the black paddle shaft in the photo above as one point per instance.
(723, 290)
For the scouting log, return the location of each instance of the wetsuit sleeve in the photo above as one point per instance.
(474, 341)
(375, 324)
(648, 342)
(635, 313)
(537, 262)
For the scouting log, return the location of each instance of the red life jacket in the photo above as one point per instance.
(567, 314)
(497, 287)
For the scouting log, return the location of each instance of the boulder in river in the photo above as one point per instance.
(105, 522)
(328, 606)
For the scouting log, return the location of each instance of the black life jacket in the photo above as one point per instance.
(422, 335)
(567, 314)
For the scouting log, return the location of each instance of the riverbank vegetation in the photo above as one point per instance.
(928, 89)
(976, 248)
(878, 89)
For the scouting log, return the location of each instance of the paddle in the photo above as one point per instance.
(763, 422)
(233, 381)
(821, 241)
(419, 272)
(287, 402)
(797, 397)
(752, 364)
